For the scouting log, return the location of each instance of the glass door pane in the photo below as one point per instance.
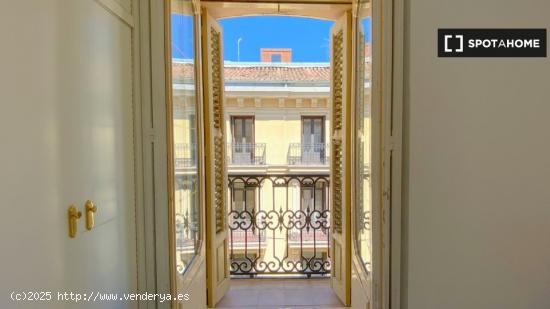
(238, 130)
(243, 139)
(249, 130)
(317, 131)
(313, 147)
(364, 140)
(184, 136)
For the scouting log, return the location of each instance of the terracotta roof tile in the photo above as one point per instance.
(182, 71)
(261, 72)
(277, 73)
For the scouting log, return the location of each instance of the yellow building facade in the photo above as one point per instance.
(277, 120)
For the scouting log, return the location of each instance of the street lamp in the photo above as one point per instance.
(239, 49)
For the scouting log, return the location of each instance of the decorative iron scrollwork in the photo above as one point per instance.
(279, 238)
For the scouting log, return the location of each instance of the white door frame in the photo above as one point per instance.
(151, 151)
(147, 144)
(153, 244)
(154, 220)
(393, 28)
(394, 258)
(389, 29)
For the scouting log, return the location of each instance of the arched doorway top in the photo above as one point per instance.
(318, 10)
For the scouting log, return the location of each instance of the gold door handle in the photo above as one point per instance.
(73, 216)
(90, 211)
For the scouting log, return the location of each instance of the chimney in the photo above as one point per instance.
(276, 54)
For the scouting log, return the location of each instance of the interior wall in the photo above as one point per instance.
(67, 136)
(477, 171)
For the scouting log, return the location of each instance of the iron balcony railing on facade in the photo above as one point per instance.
(184, 155)
(308, 154)
(273, 230)
(246, 154)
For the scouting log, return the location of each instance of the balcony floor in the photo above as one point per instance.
(280, 293)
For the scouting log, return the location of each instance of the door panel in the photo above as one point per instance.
(312, 130)
(243, 139)
(185, 168)
(366, 166)
(243, 129)
(313, 139)
(215, 158)
(96, 146)
(340, 43)
(67, 138)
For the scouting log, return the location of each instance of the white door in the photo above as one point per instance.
(217, 257)
(340, 42)
(67, 138)
(96, 148)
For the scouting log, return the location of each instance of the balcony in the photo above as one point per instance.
(246, 154)
(308, 154)
(278, 226)
(254, 154)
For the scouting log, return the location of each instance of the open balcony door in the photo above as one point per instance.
(217, 258)
(340, 185)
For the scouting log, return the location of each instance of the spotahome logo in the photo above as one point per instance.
(491, 42)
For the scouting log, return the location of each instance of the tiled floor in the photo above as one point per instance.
(280, 294)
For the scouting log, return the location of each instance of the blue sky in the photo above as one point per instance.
(308, 38)
(182, 36)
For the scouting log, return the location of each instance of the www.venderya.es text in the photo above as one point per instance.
(93, 296)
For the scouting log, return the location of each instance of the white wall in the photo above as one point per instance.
(477, 162)
(66, 128)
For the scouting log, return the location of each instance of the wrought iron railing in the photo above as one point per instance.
(273, 230)
(246, 154)
(184, 155)
(308, 154)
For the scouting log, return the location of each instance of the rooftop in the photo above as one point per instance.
(263, 72)
(280, 72)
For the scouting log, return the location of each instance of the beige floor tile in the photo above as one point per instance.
(297, 298)
(280, 294)
(240, 298)
(326, 299)
(271, 298)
